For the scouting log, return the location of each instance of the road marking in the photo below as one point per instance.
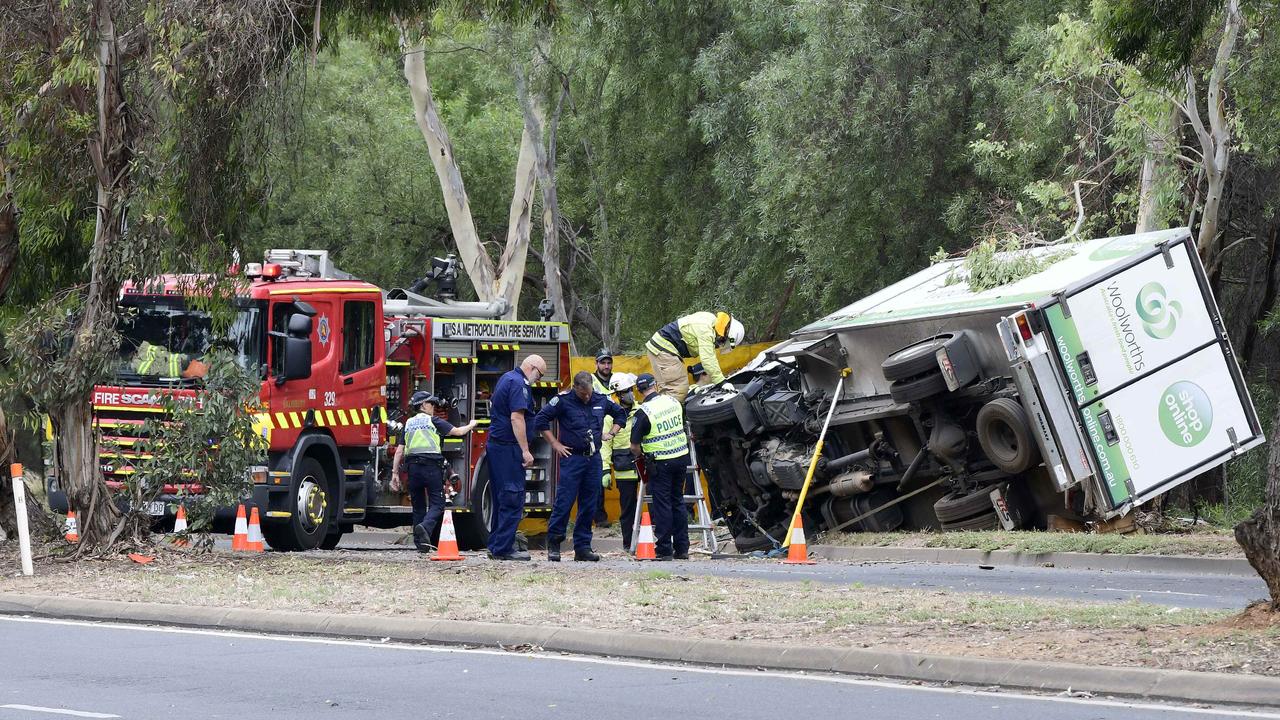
(1155, 592)
(57, 711)
(665, 667)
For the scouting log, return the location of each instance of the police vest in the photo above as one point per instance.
(666, 439)
(421, 437)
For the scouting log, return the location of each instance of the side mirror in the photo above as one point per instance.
(297, 357)
(299, 326)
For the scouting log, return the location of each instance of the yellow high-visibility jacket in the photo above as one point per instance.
(693, 335)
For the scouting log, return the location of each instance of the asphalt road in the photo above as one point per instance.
(100, 671)
(1173, 590)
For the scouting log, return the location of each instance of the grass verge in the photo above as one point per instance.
(667, 602)
(1207, 544)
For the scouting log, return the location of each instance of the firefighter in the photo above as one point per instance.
(617, 457)
(508, 456)
(698, 335)
(421, 450)
(580, 412)
(604, 371)
(600, 382)
(657, 434)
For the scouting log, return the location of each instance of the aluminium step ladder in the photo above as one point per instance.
(701, 522)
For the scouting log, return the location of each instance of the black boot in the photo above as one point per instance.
(421, 539)
(587, 555)
(553, 550)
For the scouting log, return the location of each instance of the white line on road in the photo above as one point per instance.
(666, 667)
(57, 711)
(1154, 592)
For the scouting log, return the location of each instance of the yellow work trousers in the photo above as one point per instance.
(673, 379)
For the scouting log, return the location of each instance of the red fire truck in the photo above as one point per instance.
(339, 358)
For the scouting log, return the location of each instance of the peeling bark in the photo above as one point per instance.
(1154, 168)
(1260, 534)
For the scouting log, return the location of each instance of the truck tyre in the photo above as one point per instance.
(915, 359)
(917, 388)
(955, 507)
(331, 540)
(472, 527)
(311, 510)
(988, 521)
(1004, 432)
(710, 407)
(751, 541)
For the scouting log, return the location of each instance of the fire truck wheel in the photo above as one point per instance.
(473, 527)
(311, 508)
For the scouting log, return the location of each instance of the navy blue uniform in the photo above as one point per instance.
(426, 479)
(581, 428)
(503, 457)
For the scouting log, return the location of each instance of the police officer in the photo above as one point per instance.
(507, 454)
(601, 382)
(421, 450)
(657, 433)
(580, 412)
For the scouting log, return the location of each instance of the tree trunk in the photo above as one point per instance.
(519, 222)
(1215, 141)
(111, 153)
(8, 231)
(1154, 167)
(1260, 534)
(545, 164)
(475, 259)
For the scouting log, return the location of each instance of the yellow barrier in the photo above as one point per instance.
(729, 363)
(637, 364)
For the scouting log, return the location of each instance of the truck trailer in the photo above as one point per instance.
(1080, 391)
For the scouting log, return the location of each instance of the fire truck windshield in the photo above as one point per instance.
(166, 342)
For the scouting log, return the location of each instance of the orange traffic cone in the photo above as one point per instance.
(240, 541)
(645, 548)
(254, 542)
(798, 551)
(71, 531)
(180, 527)
(448, 549)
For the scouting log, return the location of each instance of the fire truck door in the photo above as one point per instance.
(361, 372)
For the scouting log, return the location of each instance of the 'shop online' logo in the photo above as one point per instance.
(1186, 414)
(1159, 314)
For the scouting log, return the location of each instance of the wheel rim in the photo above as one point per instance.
(1005, 439)
(486, 507)
(312, 504)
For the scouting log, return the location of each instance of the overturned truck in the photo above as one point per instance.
(1081, 391)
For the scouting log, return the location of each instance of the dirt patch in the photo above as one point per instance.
(658, 600)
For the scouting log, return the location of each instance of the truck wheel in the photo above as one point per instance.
(955, 507)
(311, 510)
(710, 407)
(751, 542)
(988, 521)
(917, 388)
(1004, 432)
(915, 359)
(472, 527)
(331, 540)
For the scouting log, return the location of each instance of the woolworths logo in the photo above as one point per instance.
(1185, 413)
(1159, 314)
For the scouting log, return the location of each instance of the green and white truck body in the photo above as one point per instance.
(1081, 390)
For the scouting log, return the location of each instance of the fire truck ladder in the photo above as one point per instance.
(701, 521)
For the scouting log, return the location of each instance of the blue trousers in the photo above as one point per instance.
(506, 481)
(426, 494)
(579, 481)
(670, 519)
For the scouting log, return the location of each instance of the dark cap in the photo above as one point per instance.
(422, 396)
(604, 354)
(645, 382)
(696, 369)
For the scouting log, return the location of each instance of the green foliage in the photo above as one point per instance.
(996, 261)
(1159, 37)
(208, 439)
